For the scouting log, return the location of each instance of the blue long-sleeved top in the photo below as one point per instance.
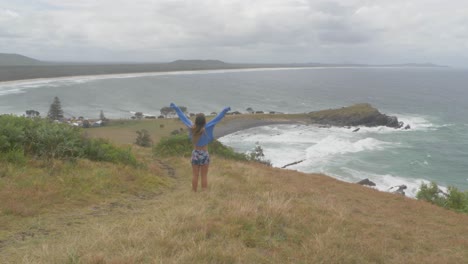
(207, 136)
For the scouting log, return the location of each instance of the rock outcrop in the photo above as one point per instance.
(399, 189)
(366, 182)
(355, 115)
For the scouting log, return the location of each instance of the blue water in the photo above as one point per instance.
(431, 100)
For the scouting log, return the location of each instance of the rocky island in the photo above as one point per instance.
(355, 115)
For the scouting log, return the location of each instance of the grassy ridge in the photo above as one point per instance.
(257, 214)
(90, 212)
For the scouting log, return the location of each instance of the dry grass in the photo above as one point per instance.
(95, 213)
(256, 214)
(124, 131)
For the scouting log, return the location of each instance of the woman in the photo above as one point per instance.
(201, 134)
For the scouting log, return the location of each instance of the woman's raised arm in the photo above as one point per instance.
(218, 118)
(182, 116)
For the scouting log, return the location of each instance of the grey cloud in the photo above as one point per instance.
(240, 30)
(344, 37)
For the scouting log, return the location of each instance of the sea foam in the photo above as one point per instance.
(327, 150)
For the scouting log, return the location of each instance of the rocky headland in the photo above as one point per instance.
(355, 115)
(351, 116)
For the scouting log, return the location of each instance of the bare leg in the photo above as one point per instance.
(204, 177)
(195, 172)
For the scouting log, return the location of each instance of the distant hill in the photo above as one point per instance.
(19, 67)
(18, 60)
(205, 62)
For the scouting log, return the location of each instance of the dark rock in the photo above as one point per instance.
(407, 127)
(366, 182)
(356, 130)
(399, 189)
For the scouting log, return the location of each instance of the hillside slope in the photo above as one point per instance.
(85, 211)
(253, 214)
(17, 60)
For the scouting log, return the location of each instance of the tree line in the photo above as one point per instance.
(56, 112)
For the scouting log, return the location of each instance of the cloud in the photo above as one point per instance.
(237, 30)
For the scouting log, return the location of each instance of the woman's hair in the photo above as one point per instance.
(199, 128)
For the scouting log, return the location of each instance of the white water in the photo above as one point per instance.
(333, 151)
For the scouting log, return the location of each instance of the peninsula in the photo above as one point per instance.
(18, 67)
(351, 116)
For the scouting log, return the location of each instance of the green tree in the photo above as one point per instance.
(138, 115)
(32, 113)
(101, 116)
(55, 110)
(167, 110)
(258, 155)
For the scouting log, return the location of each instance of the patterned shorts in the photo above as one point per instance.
(200, 157)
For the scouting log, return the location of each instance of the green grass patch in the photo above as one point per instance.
(180, 145)
(26, 190)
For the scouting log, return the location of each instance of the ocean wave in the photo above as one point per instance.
(333, 145)
(11, 91)
(385, 182)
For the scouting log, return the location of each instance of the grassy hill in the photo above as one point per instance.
(98, 212)
(17, 60)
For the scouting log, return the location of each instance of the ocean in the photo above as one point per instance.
(431, 100)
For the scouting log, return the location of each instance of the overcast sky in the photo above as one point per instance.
(358, 31)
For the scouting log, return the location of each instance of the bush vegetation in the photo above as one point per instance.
(180, 145)
(143, 139)
(454, 199)
(41, 138)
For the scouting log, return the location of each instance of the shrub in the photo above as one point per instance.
(457, 200)
(181, 145)
(103, 150)
(258, 155)
(178, 145)
(431, 193)
(42, 138)
(53, 140)
(221, 150)
(15, 156)
(454, 199)
(12, 132)
(143, 139)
